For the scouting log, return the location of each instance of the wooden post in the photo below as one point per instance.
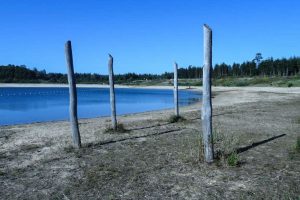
(73, 96)
(176, 89)
(112, 92)
(206, 115)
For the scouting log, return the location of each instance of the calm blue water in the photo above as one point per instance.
(26, 105)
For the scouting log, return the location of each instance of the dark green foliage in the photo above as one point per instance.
(268, 67)
(223, 74)
(120, 129)
(233, 159)
(174, 119)
(242, 83)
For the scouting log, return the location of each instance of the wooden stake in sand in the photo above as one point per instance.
(112, 92)
(73, 96)
(206, 114)
(176, 90)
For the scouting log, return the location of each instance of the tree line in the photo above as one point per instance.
(267, 67)
(22, 74)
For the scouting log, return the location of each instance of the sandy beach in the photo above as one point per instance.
(156, 159)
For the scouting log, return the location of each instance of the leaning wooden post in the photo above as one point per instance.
(176, 90)
(206, 115)
(112, 92)
(73, 96)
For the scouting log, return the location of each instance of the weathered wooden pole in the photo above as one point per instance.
(176, 89)
(73, 96)
(112, 92)
(206, 115)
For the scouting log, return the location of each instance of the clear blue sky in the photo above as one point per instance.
(144, 36)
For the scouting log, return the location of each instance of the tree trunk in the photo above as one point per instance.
(73, 96)
(176, 89)
(206, 115)
(112, 93)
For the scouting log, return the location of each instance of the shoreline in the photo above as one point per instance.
(284, 90)
(247, 95)
(225, 100)
(49, 85)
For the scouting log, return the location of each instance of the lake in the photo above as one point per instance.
(27, 105)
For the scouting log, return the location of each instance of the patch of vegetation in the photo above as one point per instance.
(175, 118)
(189, 82)
(233, 159)
(278, 81)
(242, 83)
(120, 129)
(225, 148)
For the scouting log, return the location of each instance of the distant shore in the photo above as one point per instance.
(295, 90)
(85, 85)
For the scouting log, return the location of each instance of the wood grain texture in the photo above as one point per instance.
(206, 112)
(176, 106)
(112, 92)
(73, 96)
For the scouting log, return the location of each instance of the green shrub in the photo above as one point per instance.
(120, 129)
(175, 118)
(241, 83)
(233, 159)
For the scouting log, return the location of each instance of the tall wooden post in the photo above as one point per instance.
(176, 89)
(112, 92)
(73, 96)
(206, 115)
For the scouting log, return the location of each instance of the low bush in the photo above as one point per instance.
(120, 129)
(233, 159)
(175, 118)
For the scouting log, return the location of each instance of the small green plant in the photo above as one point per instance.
(225, 148)
(120, 129)
(233, 159)
(175, 118)
(290, 85)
